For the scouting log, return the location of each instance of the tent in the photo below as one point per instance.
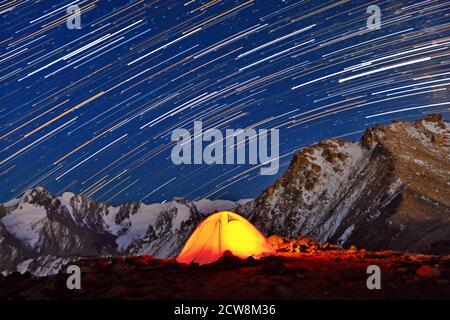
(224, 231)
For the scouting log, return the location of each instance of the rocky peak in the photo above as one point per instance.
(373, 136)
(433, 117)
(126, 210)
(430, 130)
(381, 192)
(37, 195)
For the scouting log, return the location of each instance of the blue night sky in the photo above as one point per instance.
(92, 110)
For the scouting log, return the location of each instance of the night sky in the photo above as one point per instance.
(92, 110)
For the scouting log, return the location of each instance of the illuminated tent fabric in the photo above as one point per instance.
(224, 231)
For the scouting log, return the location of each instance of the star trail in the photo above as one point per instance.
(91, 110)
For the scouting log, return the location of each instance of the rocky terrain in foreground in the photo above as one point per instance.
(303, 269)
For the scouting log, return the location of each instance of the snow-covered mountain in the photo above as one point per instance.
(391, 190)
(388, 191)
(40, 231)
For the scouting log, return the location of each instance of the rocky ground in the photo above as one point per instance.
(303, 269)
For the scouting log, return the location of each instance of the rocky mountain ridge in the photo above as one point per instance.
(390, 190)
(40, 231)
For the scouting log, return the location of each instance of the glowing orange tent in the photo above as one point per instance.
(224, 231)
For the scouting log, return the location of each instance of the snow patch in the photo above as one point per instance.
(183, 214)
(243, 202)
(12, 202)
(65, 201)
(22, 267)
(139, 223)
(23, 223)
(206, 206)
(347, 233)
(433, 127)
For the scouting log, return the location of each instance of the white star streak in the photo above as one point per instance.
(384, 69)
(164, 184)
(38, 140)
(407, 109)
(92, 155)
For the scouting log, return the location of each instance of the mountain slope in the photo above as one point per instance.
(389, 190)
(40, 231)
